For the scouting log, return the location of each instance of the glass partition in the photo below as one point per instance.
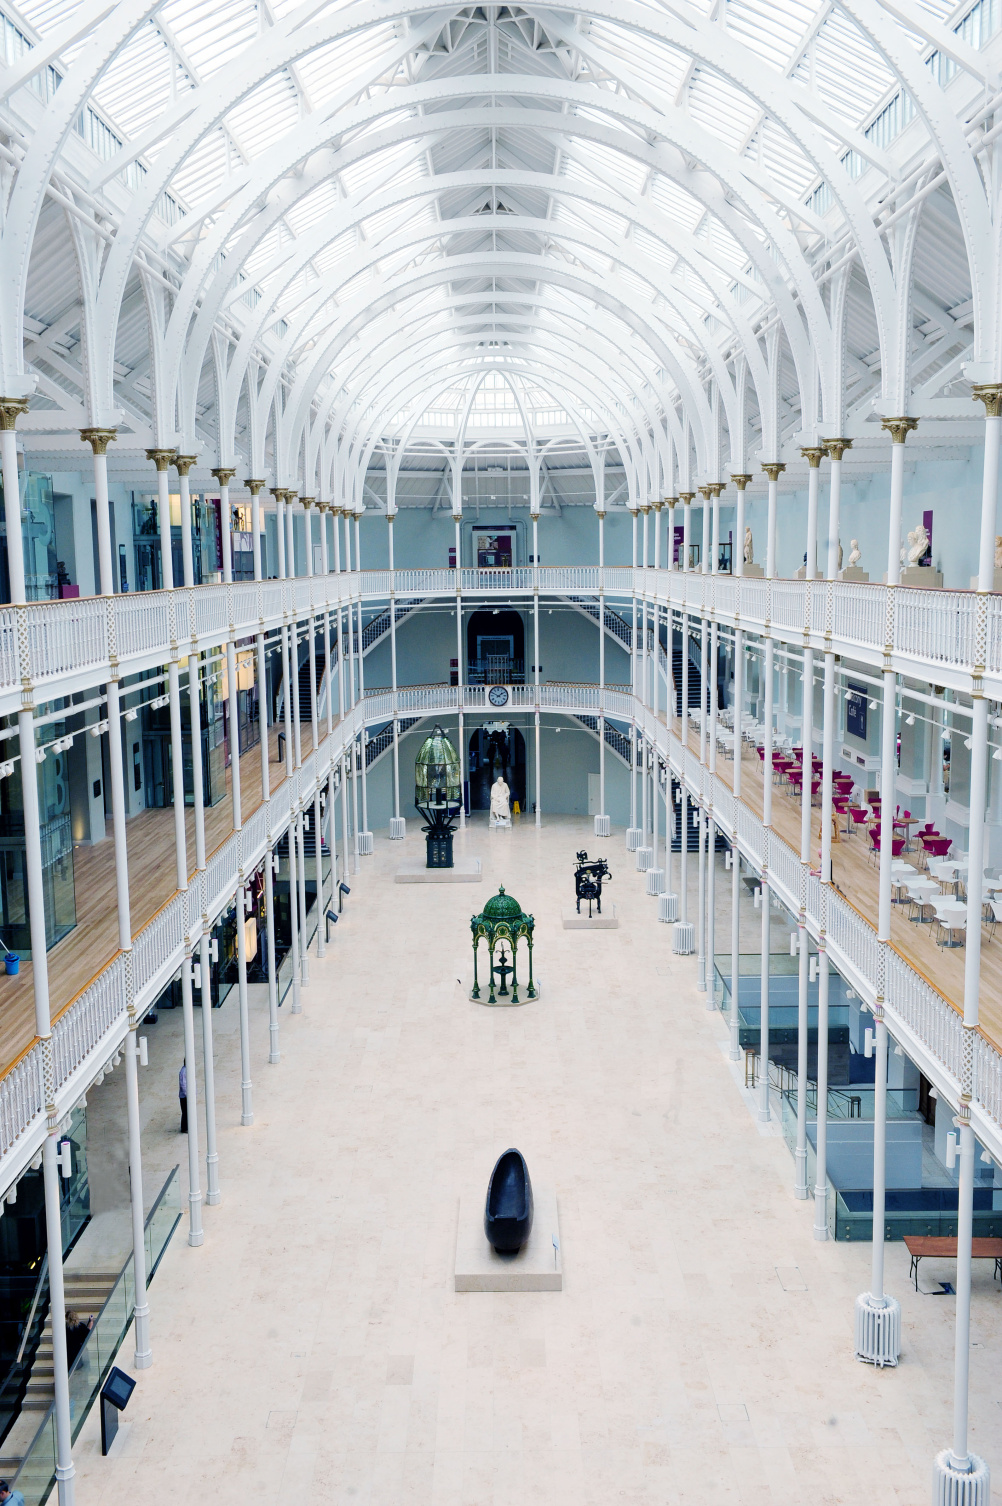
(37, 1474)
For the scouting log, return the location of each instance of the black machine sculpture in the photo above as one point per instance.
(588, 876)
(508, 1210)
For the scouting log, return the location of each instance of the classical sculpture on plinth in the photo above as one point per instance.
(918, 544)
(500, 803)
(749, 548)
(855, 553)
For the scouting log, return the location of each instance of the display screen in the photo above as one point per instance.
(118, 1388)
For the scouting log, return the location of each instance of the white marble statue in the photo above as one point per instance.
(749, 548)
(855, 553)
(918, 543)
(500, 804)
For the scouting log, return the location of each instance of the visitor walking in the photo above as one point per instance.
(182, 1093)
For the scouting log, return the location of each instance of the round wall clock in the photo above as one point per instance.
(498, 695)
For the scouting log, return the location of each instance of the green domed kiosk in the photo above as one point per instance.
(501, 921)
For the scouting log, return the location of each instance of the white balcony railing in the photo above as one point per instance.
(946, 637)
(93, 1027)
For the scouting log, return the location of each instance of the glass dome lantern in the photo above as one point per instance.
(437, 775)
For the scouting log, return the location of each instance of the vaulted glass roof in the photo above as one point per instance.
(618, 201)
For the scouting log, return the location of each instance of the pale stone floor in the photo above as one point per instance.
(314, 1350)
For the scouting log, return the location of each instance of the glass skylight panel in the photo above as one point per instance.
(773, 29)
(332, 70)
(264, 115)
(135, 89)
(652, 61)
(721, 109)
(212, 36)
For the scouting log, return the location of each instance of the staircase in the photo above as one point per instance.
(618, 741)
(86, 1292)
(695, 677)
(614, 623)
(383, 739)
(305, 692)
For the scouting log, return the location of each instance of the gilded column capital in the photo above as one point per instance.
(774, 469)
(184, 463)
(11, 409)
(600, 513)
(705, 491)
(658, 503)
(224, 474)
(670, 501)
(291, 498)
(836, 448)
(898, 428)
(741, 479)
(715, 488)
(99, 439)
(812, 454)
(307, 502)
(989, 393)
(645, 508)
(162, 459)
(279, 493)
(687, 497)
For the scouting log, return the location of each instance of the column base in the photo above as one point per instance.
(655, 881)
(683, 938)
(603, 826)
(668, 907)
(213, 1199)
(644, 859)
(365, 844)
(398, 828)
(960, 1487)
(878, 1329)
(634, 837)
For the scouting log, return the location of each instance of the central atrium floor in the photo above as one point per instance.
(314, 1350)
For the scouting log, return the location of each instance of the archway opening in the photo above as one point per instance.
(496, 748)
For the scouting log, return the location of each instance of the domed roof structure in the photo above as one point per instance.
(502, 906)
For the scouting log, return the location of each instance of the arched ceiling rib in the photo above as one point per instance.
(336, 204)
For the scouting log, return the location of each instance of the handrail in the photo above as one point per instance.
(950, 635)
(92, 1030)
(80, 1413)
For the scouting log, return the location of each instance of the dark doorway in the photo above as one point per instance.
(492, 753)
(495, 647)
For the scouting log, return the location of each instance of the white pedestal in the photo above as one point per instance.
(634, 837)
(957, 1487)
(500, 823)
(644, 859)
(655, 881)
(538, 1266)
(683, 938)
(603, 826)
(878, 1330)
(922, 576)
(607, 921)
(464, 871)
(365, 844)
(668, 907)
(398, 828)
(853, 572)
(996, 582)
(752, 569)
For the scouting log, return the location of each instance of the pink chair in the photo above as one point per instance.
(857, 817)
(937, 847)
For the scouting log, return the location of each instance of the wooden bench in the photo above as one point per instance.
(944, 1247)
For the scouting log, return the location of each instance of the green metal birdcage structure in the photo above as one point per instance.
(501, 921)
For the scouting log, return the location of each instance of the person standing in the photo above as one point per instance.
(182, 1093)
(10, 1497)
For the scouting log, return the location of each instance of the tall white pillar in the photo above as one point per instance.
(834, 449)
(733, 1022)
(602, 823)
(773, 469)
(163, 459)
(812, 454)
(535, 650)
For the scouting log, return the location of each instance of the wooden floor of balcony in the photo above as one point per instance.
(855, 875)
(93, 943)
